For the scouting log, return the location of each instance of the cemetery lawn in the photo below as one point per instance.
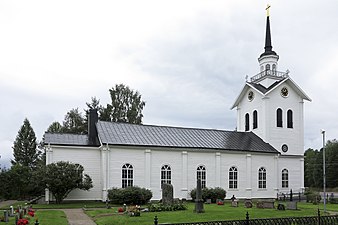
(213, 212)
(55, 217)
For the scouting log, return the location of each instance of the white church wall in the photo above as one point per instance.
(295, 172)
(278, 136)
(89, 158)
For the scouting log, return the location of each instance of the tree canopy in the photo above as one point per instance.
(314, 166)
(63, 177)
(126, 106)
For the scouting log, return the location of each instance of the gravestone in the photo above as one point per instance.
(268, 204)
(199, 207)
(208, 201)
(291, 205)
(11, 211)
(6, 216)
(248, 203)
(167, 194)
(234, 203)
(280, 207)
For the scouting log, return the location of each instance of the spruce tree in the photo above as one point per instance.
(25, 147)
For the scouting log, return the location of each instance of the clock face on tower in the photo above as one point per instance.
(284, 92)
(251, 95)
(285, 148)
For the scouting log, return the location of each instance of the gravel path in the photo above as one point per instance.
(7, 203)
(78, 217)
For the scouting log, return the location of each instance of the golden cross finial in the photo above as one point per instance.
(268, 10)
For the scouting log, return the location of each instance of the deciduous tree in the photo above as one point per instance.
(63, 177)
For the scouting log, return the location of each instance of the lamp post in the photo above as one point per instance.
(324, 173)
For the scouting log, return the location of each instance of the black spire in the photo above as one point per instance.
(268, 46)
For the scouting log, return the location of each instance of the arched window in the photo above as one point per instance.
(274, 69)
(279, 117)
(290, 118)
(127, 175)
(166, 174)
(262, 178)
(285, 178)
(247, 122)
(255, 119)
(201, 174)
(233, 178)
(267, 67)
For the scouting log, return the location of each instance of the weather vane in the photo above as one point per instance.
(268, 10)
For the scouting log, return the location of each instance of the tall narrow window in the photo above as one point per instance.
(290, 118)
(285, 178)
(279, 117)
(262, 178)
(166, 174)
(247, 122)
(233, 178)
(201, 174)
(267, 67)
(255, 119)
(274, 69)
(127, 175)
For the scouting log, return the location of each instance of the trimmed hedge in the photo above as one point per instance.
(210, 193)
(130, 195)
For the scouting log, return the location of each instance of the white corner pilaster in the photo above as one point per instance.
(218, 169)
(248, 176)
(147, 170)
(184, 189)
(277, 174)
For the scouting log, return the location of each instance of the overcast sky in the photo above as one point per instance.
(188, 59)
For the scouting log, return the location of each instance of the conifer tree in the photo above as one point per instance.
(25, 147)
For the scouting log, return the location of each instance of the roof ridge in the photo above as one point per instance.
(167, 126)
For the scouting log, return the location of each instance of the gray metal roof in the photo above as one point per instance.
(66, 139)
(176, 137)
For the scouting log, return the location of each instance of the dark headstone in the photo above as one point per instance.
(167, 194)
(199, 207)
(291, 196)
(281, 207)
(6, 216)
(248, 203)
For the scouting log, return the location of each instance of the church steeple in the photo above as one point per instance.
(268, 46)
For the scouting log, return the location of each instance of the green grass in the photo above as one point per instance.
(55, 217)
(213, 212)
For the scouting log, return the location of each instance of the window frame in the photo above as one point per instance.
(285, 178)
(201, 173)
(262, 178)
(166, 174)
(233, 177)
(279, 117)
(127, 176)
(247, 122)
(255, 119)
(289, 116)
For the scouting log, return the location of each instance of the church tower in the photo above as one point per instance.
(271, 104)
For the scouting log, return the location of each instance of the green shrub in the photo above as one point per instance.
(159, 207)
(130, 195)
(312, 196)
(210, 193)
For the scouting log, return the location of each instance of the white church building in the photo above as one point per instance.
(265, 156)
